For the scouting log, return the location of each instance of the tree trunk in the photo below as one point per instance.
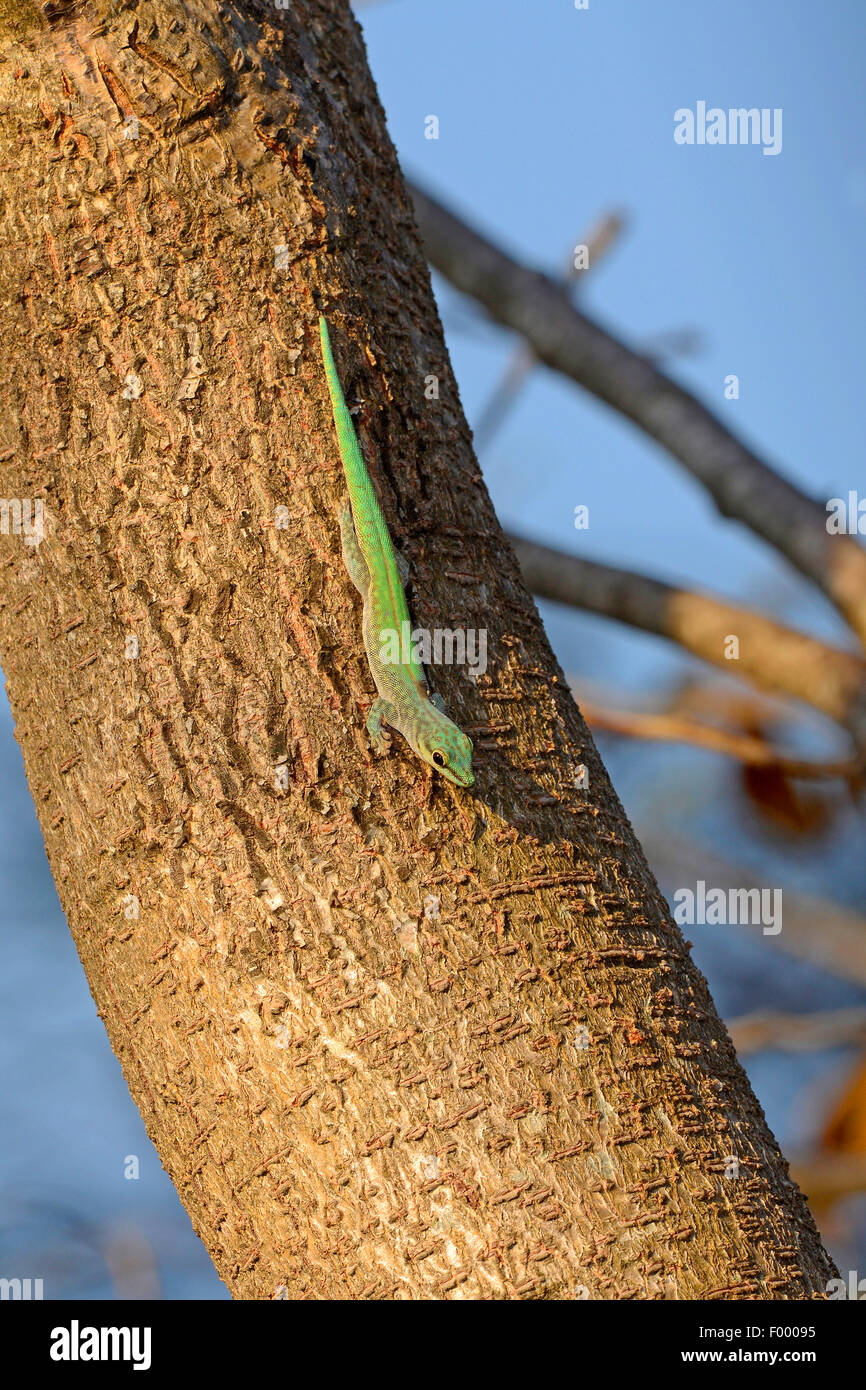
(391, 1039)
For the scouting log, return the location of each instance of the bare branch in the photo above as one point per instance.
(758, 1032)
(743, 485)
(755, 752)
(775, 657)
(504, 395)
(824, 1178)
(670, 343)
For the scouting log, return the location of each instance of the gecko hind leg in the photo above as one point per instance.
(352, 557)
(380, 712)
(402, 567)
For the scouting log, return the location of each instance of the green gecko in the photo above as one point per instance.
(405, 701)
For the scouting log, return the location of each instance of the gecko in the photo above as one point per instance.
(404, 702)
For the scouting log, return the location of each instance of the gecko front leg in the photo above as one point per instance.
(381, 712)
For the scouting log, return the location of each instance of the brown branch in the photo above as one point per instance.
(775, 657)
(824, 1178)
(754, 752)
(757, 1032)
(563, 337)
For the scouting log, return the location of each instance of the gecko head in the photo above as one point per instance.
(447, 749)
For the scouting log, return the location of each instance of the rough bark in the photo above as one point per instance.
(390, 1039)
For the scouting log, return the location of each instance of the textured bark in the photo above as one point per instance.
(351, 1011)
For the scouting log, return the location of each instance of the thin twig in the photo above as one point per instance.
(599, 241)
(762, 1031)
(754, 752)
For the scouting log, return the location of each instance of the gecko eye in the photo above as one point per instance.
(440, 759)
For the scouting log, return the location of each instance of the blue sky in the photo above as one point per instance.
(550, 116)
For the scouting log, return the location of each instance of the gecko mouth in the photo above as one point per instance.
(466, 781)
